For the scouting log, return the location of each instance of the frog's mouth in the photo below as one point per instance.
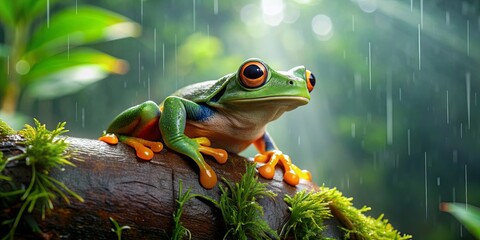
(286, 100)
(275, 103)
(268, 108)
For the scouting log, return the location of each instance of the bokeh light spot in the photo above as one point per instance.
(322, 26)
(250, 14)
(273, 12)
(22, 67)
(272, 7)
(368, 6)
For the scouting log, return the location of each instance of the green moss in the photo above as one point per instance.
(5, 129)
(179, 231)
(307, 212)
(241, 212)
(363, 227)
(243, 215)
(45, 150)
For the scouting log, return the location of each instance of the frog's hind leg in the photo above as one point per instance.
(136, 127)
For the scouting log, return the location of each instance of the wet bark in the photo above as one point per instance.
(142, 194)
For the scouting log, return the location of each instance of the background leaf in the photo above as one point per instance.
(66, 82)
(34, 8)
(3, 51)
(43, 70)
(66, 73)
(78, 26)
(468, 215)
(12, 12)
(7, 12)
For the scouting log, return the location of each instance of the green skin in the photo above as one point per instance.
(231, 115)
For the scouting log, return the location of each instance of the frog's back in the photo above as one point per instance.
(203, 91)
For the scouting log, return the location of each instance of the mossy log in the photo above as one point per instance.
(142, 194)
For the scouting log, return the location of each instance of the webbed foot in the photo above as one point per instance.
(292, 174)
(143, 148)
(220, 155)
(208, 177)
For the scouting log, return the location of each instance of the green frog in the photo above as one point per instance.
(219, 116)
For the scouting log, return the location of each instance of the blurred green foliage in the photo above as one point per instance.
(43, 60)
(393, 121)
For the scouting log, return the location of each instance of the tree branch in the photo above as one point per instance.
(142, 194)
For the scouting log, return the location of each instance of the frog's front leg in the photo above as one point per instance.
(175, 113)
(270, 156)
(133, 126)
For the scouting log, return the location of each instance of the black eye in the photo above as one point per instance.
(253, 74)
(310, 81)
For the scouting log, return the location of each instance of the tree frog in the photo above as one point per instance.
(219, 116)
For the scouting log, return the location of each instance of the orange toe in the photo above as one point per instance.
(303, 174)
(219, 154)
(261, 158)
(291, 178)
(208, 178)
(144, 153)
(156, 146)
(203, 141)
(109, 138)
(306, 175)
(267, 171)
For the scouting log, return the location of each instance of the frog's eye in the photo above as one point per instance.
(310, 81)
(253, 74)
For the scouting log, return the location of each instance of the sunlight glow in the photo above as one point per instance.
(86, 73)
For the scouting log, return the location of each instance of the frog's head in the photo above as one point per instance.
(256, 84)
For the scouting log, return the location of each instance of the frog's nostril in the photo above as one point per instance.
(291, 82)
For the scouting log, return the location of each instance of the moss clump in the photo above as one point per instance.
(44, 151)
(243, 215)
(5, 129)
(363, 227)
(241, 212)
(307, 212)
